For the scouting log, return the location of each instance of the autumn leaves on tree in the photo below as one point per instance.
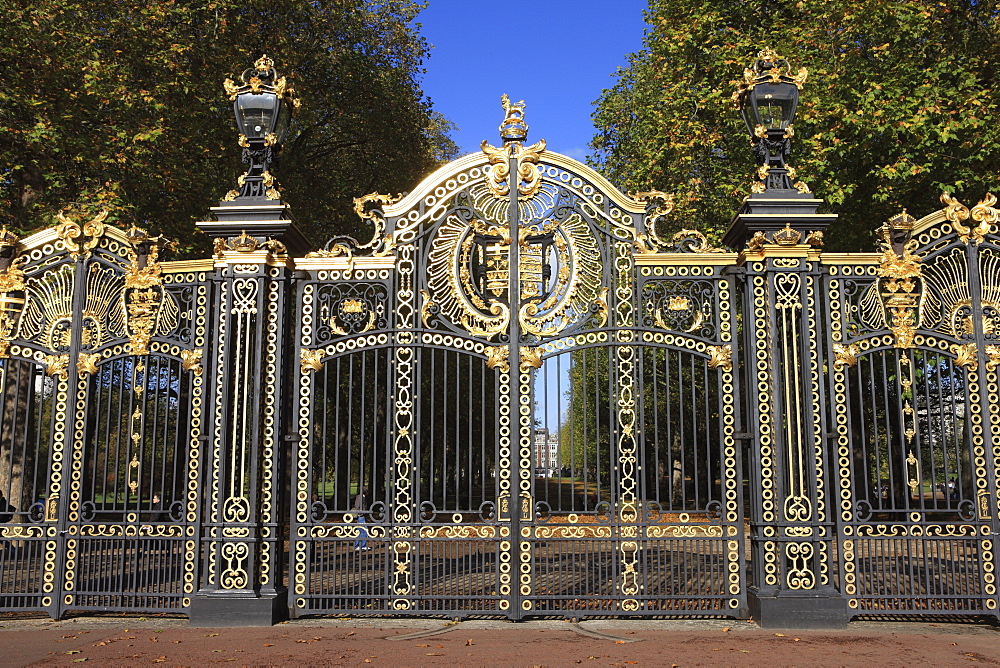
(896, 108)
(120, 105)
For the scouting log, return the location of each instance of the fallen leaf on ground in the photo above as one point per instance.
(423, 645)
(727, 629)
(428, 654)
(468, 642)
(211, 635)
(619, 642)
(780, 635)
(79, 660)
(268, 644)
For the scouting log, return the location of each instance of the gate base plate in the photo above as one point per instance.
(218, 610)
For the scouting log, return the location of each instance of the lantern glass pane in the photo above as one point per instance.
(255, 113)
(281, 123)
(775, 104)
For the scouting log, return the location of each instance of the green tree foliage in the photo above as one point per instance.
(120, 104)
(897, 107)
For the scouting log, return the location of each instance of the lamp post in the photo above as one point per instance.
(767, 98)
(263, 104)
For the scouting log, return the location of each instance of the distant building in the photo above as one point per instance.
(546, 453)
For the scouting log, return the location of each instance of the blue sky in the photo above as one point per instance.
(556, 55)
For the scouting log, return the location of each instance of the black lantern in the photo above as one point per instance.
(767, 99)
(263, 104)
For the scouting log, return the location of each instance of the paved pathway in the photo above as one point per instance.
(396, 642)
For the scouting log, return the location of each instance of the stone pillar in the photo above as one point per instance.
(793, 509)
(242, 542)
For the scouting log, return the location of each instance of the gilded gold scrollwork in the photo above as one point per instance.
(191, 361)
(983, 214)
(900, 286)
(369, 208)
(800, 574)
(965, 354)
(57, 366)
(12, 298)
(87, 363)
(913, 470)
(143, 295)
(845, 355)
(71, 233)
(992, 357)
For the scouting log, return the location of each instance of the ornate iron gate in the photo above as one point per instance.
(100, 393)
(517, 399)
(914, 385)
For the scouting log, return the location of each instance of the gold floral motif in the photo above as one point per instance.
(87, 363)
(531, 358)
(12, 299)
(497, 358)
(914, 478)
(965, 354)
(721, 357)
(57, 366)
(992, 357)
(846, 355)
(312, 360)
(602, 308)
(191, 361)
(983, 213)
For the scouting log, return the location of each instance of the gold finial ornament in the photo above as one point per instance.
(513, 128)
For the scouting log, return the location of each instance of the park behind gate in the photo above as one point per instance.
(520, 398)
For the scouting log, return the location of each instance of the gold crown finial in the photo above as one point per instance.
(902, 221)
(264, 63)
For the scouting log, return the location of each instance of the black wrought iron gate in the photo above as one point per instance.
(100, 393)
(528, 410)
(517, 399)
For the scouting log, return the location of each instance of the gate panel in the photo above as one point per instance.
(917, 491)
(102, 451)
(657, 529)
